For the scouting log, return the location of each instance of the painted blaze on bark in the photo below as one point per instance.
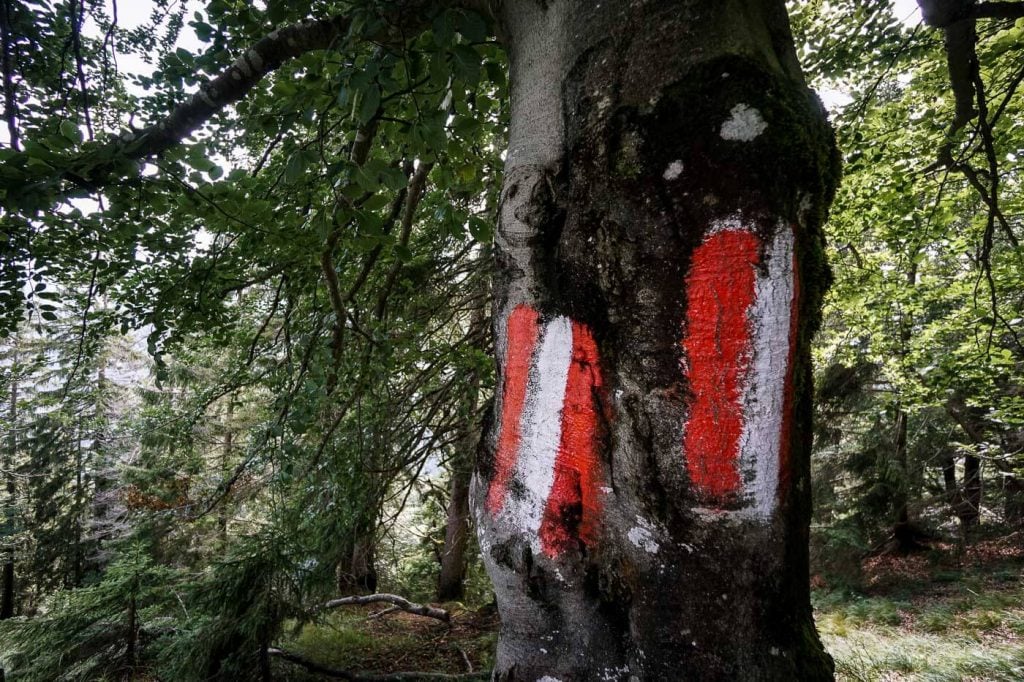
(643, 496)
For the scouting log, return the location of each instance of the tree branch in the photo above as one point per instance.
(998, 10)
(417, 186)
(96, 167)
(944, 13)
(7, 68)
(394, 599)
(235, 82)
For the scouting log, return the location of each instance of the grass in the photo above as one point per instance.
(354, 641)
(916, 619)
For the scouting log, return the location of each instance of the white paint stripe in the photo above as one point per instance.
(729, 222)
(764, 391)
(540, 429)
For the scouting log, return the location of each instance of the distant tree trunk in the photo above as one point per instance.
(1013, 499)
(357, 571)
(644, 499)
(7, 593)
(967, 503)
(131, 655)
(903, 532)
(225, 466)
(972, 491)
(101, 524)
(77, 560)
(949, 477)
(364, 562)
(452, 576)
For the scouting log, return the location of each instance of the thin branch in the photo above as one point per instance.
(7, 66)
(266, 322)
(394, 600)
(417, 185)
(77, 18)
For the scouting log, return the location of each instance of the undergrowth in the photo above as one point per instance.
(918, 619)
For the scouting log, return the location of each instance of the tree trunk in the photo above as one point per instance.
(77, 558)
(903, 532)
(949, 478)
(452, 577)
(7, 594)
(643, 501)
(968, 501)
(225, 465)
(972, 492)
(357, 572)
(1013, 500)
(132, 627)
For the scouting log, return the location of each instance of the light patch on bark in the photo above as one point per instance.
(613, 674)
(541, 426)
(254, 60)
(674, 170)
(744, 124)
(548, 678)
(642, 536)
(477, 484)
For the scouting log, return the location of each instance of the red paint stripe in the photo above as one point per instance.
(573, 505)
(521, 336)
(786, 444)
(720, 291)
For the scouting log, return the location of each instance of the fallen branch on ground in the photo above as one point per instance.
(400, 602)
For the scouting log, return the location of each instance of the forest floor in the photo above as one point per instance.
(930, 616)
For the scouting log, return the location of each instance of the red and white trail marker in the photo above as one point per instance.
(546, 480)
(738, 342)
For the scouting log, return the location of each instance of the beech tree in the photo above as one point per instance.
(642, 496)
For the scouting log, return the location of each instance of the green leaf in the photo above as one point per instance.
(466, 63)
(295, 167)
(71, 131)
(480, 229)
(472, 27)
(495, 73)
(376, 202)
(369, 104)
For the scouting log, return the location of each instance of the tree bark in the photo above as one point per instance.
(357, 572)
(972, 492)
(903, 533)
(643, 500)
(452, 576)
(226, 451)
(1013, 499)
(7, 594)
(967, 503)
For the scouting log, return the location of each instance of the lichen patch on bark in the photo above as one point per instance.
(743, 125)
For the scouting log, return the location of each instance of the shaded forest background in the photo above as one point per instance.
(246, 379)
